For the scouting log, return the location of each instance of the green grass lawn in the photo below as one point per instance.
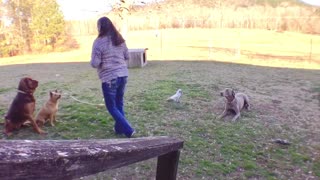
(285, 104)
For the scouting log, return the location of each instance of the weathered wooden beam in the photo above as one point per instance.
(69, 159)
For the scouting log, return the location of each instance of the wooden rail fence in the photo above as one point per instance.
(70, 159)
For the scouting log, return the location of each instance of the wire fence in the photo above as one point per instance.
(226, 44)
(287, 23)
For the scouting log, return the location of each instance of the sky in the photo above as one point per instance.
(83, 9)
(312, 2)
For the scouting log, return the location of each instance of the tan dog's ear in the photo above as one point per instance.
(51, 93)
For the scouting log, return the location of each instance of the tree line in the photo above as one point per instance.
(32, 26)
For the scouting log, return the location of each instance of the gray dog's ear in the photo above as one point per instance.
(233, 93)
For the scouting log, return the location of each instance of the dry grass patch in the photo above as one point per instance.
(256, 47)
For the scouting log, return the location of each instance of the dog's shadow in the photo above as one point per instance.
(230, 114)
(176, 106)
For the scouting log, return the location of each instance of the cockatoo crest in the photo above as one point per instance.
(176, 97)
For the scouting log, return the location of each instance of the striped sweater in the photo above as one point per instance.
(109, 60)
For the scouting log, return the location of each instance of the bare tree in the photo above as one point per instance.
(123, 9)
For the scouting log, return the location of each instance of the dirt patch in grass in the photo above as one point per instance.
(285, 104)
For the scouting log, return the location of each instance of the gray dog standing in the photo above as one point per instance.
(235, 102)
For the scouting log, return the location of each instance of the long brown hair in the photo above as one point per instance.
(108, 29)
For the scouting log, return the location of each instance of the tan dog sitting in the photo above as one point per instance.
(49, 109)
(234, 102)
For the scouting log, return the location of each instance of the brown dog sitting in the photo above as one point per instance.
(22, 107)
(234, 102)
(49, 109)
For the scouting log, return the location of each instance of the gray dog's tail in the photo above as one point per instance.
(246, 103)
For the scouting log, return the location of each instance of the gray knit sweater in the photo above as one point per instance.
(109, 60)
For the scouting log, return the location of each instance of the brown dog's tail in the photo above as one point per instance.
(39, 122)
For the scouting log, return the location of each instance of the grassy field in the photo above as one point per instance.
(285, 104)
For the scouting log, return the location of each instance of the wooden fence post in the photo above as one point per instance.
(310, 53)
(167, 166)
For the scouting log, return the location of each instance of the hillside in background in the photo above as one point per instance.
(279, 15)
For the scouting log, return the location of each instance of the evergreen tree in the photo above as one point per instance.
(47, 23)
(33, 25)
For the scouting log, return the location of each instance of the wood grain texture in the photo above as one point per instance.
(69, 159)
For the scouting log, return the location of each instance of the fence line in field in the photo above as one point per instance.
(214, 43)
(235, 46)
(278, 23)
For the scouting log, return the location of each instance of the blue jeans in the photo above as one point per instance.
(113, 93)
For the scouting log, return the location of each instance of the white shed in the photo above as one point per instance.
(137, 58)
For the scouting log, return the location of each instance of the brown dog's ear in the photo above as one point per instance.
(51, 93)
(22, 84)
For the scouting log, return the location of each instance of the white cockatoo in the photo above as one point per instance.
(176, 97)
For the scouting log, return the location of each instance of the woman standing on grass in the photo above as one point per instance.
(109, 56)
